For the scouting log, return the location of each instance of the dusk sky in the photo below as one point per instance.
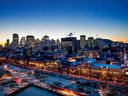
(57, 18)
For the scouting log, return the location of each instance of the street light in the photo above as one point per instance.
(101, 70)
(90, 71)
(108, 70)
(5, 67)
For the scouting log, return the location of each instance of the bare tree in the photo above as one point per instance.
(70, 34)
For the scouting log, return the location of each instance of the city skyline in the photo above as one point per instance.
(63, 47)
(107, 19)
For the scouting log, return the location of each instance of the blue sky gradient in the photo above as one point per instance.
(56, 18)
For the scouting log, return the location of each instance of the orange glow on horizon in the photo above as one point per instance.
(120, 39)
(2, 43)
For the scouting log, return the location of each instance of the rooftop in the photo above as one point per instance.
(106, 66)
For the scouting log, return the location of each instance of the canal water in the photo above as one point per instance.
(35, 91)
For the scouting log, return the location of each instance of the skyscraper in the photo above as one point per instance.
(22, 41)
(90, 42)
(7, 43)
(69, 44)
(82, 41)
(30, 39)
(15, 41)
(126, 58)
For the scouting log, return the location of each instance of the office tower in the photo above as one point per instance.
(30, 40)
(69, 44)
(82, 41)
(37, 40)
(58, 41)
(99, 43)
(90, 42)
(22, 41)
(7, 43)
(45, 41)
(46, 37)
(126, 58)
(15, 41)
